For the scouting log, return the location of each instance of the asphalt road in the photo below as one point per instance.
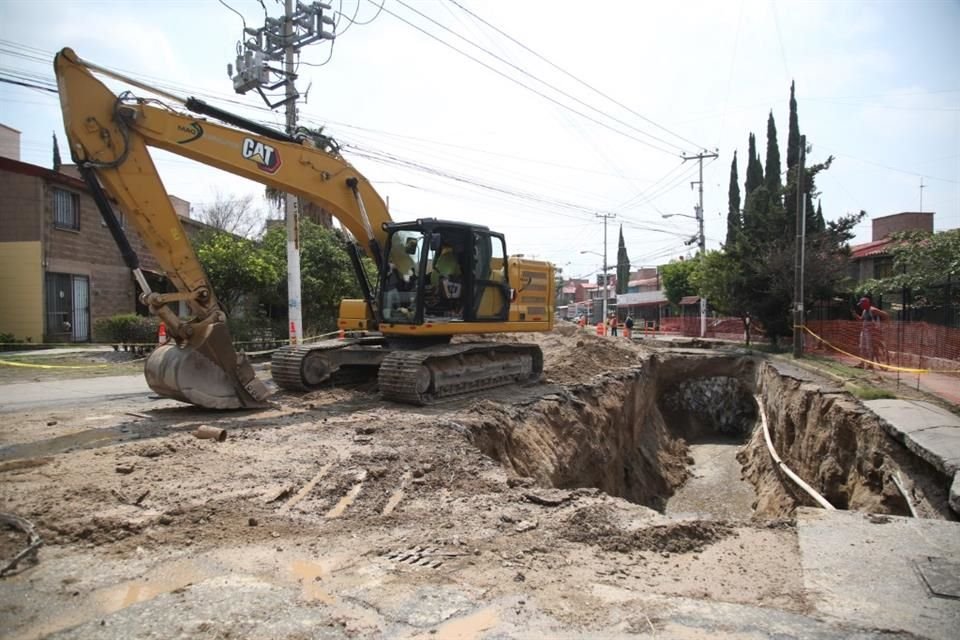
(24, 396)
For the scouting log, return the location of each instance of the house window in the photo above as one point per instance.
(883, 268)
(66, 210)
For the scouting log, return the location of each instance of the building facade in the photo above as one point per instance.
(60, 269)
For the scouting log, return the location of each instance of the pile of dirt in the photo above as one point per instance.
(594, 524)
(572, 355)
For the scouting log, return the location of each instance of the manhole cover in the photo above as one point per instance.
(941, 575)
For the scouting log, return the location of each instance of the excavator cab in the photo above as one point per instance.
(443, 272)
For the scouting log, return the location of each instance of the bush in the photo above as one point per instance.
(126, 328)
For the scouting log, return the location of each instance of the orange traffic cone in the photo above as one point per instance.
(601, 329)
(162, 334)
(341, 334)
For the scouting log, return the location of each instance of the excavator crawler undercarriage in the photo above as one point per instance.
(411, 376)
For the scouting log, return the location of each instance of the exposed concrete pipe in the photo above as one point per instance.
(783, 467)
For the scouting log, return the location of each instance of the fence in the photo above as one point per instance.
(916, 345)
(724, 328)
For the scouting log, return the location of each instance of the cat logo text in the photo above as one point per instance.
(264, 155)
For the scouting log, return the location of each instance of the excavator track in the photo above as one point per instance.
(421, 376)
(308, 366)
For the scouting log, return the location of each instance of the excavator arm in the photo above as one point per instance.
(109, 135)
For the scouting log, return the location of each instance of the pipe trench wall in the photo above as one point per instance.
(626, 434)
(838, 446)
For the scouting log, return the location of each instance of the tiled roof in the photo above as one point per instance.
(870, 249)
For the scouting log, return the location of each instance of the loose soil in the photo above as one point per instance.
(336, 514)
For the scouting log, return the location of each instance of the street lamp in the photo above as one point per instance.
(703, 249)
(605, 279)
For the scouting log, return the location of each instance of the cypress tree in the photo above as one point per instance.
(56, 154)
(623, 265)
(793, 159)
(754, 168)
(733, 207)
(772, 168)
(793, 134)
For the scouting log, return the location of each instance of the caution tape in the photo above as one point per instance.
(34, 365)
(881, 365)
(11, 363)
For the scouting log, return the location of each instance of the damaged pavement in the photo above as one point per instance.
(628, 495)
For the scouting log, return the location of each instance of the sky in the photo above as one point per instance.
(580, 109)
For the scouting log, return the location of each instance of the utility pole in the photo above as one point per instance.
(798, 319)
(702, 239)
(290, 212)
(922, 187)
(606, 280)
(280, 40)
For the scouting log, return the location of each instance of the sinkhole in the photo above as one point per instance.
(682, 435)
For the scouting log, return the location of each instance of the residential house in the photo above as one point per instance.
(60, 270)
(872, 259)
(644, 300)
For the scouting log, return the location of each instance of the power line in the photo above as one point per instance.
(242, 19)
(526, 86)
(27, 84)
(567, 73)
(534, 77)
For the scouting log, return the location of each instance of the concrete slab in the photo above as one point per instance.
(908, 416)
(863, 569)
(28, 395)
(929, 431)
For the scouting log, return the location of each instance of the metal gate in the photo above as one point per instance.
(68, 307)
(81, 309)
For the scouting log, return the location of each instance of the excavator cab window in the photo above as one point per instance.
(400, 282)
(444, 278)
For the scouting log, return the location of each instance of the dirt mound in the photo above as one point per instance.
(572, 355)
(595, 525)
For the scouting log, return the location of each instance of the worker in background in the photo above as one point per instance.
(628, 333)
(871, 337)
(613, 324)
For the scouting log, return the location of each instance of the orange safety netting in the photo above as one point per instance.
(914, 347)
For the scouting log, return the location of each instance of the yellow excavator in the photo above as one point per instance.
(436, 279)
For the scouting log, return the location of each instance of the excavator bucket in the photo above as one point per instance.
(206, 371)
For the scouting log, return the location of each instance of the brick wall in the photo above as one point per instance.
(888, 225)
(20, 197)
(92, 252)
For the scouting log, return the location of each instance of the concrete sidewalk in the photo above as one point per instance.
(885, 572)
(929, 431)
(31, 395)
(59, 351)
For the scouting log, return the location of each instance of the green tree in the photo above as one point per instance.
(928, 264)
(734, 223)
(623, 265)
(793, 132)
(772, 168)
(754, 168)
(793, 158)
(237, 268)
(57, 163)
(677, 279)
(326, 273)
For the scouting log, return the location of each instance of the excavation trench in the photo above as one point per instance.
(682, 435)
